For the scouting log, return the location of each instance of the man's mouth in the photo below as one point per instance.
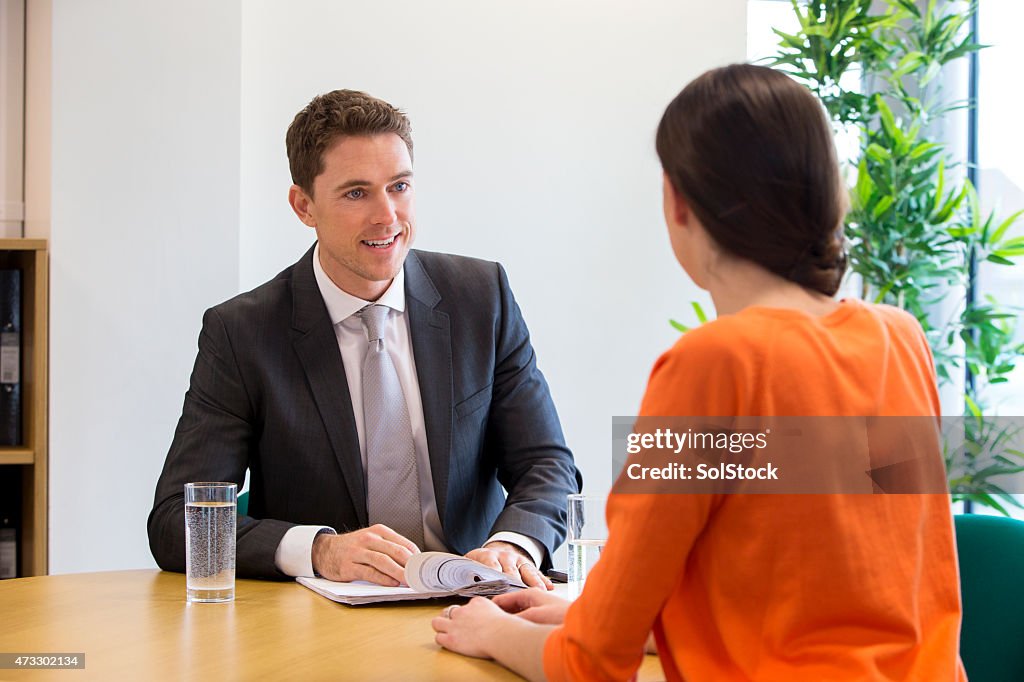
(381, 243)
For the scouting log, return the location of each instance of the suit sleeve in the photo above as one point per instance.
(525, 438)
(212, 442)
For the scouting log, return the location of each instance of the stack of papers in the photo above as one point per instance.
(430, 575)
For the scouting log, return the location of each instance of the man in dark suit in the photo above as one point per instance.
(380, 398)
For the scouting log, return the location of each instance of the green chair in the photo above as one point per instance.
(243, 504)
(991, 552)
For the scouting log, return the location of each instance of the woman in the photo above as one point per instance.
(767, 587)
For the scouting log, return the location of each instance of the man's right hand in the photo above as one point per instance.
(376, 554)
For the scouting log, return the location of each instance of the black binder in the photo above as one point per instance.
(10, 357)
(10, 515)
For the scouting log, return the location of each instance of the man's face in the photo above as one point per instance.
(362, 209)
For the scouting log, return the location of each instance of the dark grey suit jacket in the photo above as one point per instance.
(268, 393)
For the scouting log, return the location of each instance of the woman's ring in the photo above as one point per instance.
(448, 610)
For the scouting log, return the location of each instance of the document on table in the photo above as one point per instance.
(430, 575)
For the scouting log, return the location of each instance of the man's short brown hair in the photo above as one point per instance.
(329, 117)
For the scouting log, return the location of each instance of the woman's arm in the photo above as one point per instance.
(607, 629)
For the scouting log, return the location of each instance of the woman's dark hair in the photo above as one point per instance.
(752, 152)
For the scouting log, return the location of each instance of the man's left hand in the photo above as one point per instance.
(512, 561)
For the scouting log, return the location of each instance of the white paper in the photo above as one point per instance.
(435, 571)
(361, 592)
(430, 575)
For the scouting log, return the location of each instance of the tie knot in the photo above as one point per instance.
(375, 319)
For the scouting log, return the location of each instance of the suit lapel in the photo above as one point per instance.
(432, 351)
(317, 347)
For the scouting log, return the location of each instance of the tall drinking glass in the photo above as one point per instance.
(210, 541)
(587, 535)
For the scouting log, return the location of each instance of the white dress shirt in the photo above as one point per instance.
(294, 553)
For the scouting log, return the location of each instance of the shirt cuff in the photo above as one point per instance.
(527, 544)
(294, 555)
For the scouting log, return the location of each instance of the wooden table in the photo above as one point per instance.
(137, 625)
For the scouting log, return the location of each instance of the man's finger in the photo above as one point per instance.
(509, 563)
(486, 557)
(371, 574)
(532, 577)
(392, 536)
(383, 564)
(400, 554)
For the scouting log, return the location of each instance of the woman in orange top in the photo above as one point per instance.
(765, 587)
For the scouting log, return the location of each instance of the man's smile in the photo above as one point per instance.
(381, 243)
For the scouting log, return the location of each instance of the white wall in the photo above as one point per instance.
(534, 126)
(534, 129)
(38, 115)
(144, 237)
(12, 110)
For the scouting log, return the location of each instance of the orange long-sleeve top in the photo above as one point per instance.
(777, 587)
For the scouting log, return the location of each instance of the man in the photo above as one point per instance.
(379, 397)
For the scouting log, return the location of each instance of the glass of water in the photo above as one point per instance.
(210, 541)
(587, 535)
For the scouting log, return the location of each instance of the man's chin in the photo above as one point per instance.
(391, 270)
(383, 275)
(393, 266)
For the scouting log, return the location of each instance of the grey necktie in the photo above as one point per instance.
(392, 479)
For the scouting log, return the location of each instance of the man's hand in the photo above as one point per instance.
(512, 561)
(376, 554)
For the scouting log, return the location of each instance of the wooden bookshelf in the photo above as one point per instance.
(9, 455)
(27, 462)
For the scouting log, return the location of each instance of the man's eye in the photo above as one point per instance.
(401, 186)
(355, 194)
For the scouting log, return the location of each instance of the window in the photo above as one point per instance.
(762, 17)
(1001, 170)
(1001, 161)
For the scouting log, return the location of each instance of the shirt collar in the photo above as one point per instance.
(341, 305)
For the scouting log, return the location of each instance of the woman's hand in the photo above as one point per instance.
(482, 630)
(469, 629)
(536, 606)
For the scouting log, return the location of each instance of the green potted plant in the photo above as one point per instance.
(916, 230)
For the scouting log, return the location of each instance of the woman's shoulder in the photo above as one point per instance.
(895, 316)
(730, 334)
(895, 325)
(728, 340)
(755, 334)
(708, 370)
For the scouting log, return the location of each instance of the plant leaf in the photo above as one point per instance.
(699, 311)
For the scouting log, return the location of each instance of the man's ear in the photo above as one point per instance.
(300, 203)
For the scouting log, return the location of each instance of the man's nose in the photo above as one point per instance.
(384, 211)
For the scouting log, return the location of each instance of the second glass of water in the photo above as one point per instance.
(210, 541)
(587, 535)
